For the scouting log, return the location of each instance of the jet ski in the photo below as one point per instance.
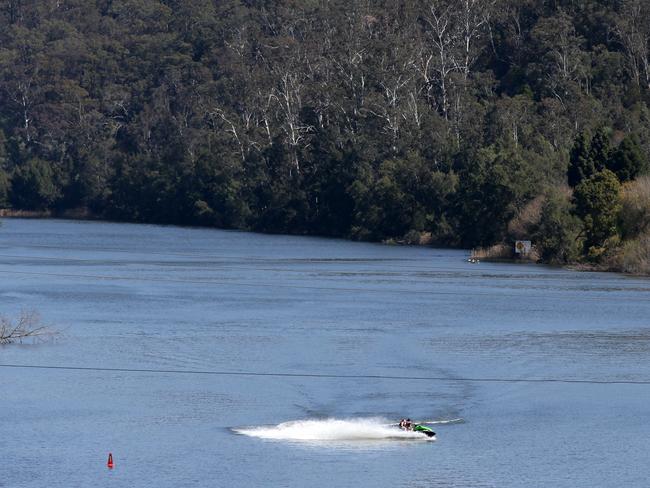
(406, 424)
(424, 430)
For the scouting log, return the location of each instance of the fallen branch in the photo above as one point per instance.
(27, 326)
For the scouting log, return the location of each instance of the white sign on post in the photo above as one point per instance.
(522, 247)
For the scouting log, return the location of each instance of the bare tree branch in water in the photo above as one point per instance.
(28, 326)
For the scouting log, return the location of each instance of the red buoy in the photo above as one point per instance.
(110, 461)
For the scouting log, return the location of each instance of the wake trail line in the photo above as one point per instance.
(300, 286)
(328, 430)
(329, 376)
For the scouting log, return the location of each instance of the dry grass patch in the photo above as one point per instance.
(634, 256)
(634, 216)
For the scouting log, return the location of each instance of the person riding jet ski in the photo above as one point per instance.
(408, 425)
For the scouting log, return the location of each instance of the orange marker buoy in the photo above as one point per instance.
(110, 461)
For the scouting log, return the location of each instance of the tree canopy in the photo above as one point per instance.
(371, 120)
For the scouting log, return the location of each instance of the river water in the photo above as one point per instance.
(378, 332)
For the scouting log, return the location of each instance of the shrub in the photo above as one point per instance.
(634, 215)
(4, 189)
(628, 160)
(527, 219)
(634, 256)
(495, 252)
(33, 186)
(556, 236)
(597, 204)
(581, 165)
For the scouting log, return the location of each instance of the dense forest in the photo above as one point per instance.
(457, 122)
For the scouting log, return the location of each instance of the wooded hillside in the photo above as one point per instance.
(363, 119)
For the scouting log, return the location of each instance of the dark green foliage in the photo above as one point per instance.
(590, 155)
(33, 186)
(4, 156)
(581, 164)
(494, 184)
(597, 203)
(628, 160)
(600, 150)
(340, 118)
(557, 233)
(4, 189)
(329, 173)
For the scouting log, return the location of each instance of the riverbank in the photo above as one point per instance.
(637, 265)
(630, 258)
(72, 214)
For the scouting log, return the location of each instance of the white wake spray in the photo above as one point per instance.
(443, 422)
(333, 430)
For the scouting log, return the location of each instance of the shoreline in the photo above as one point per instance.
(72, 214)
(502, 255)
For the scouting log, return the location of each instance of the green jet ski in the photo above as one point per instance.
(406, 424)
(424, 429)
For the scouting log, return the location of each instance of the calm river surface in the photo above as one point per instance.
(163, 298)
